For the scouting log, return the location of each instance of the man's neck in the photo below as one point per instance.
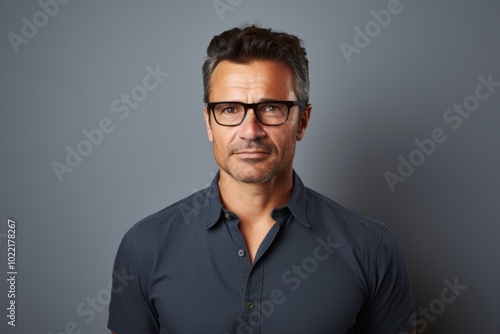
(253, 201)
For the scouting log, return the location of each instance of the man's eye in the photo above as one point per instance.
(228, 110)
(272, 108)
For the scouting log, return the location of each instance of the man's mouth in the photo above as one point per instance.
(251, 154)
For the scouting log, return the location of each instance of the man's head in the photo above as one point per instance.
(253, 65)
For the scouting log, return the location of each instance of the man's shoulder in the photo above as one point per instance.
(349, 227)
(338, 216)
(182, 214)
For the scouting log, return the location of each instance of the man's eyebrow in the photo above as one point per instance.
(268, 100)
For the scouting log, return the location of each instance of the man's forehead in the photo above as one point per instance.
(258, 74)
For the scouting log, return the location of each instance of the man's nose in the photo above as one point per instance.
(251, 128)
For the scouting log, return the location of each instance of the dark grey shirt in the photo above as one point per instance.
(321, 269)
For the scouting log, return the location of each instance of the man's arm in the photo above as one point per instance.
(391, 304)
(129, 309)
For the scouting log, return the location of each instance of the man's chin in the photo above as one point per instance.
(254, 176)
(254, 180)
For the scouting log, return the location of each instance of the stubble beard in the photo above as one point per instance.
(251, 170)
(248, 171)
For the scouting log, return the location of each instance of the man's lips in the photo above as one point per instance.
(251, 153)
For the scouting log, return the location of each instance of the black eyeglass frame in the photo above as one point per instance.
(211, 106)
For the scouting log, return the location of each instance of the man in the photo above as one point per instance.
(257, 251)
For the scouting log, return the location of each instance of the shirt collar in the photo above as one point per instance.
(214, 209)
(297, 203)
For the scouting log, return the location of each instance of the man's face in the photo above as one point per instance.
(252, 152)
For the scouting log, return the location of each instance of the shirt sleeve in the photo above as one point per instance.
(390, 307)
(130, 311)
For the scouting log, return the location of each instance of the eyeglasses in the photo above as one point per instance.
(268, 113)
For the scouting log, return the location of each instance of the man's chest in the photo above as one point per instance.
(295, 286)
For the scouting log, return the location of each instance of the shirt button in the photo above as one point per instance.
(250, 305)
(241, 253)
(227, 215)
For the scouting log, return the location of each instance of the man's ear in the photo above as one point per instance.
(304, 121)
(206, 114)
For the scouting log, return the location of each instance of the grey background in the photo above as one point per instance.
(365, 114)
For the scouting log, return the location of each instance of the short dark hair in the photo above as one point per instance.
(246, 44)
